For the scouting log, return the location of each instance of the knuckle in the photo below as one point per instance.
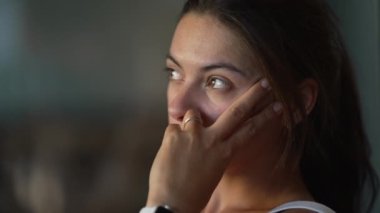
(239, 111)
(192, 137)
(170, 138)
(268, 114)
(171, 133)
(209, 143)
(214, 138)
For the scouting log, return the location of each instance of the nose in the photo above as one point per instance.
(180, 100)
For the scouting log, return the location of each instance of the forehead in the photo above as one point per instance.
(201, 39)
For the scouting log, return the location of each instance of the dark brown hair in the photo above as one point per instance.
(295, 40)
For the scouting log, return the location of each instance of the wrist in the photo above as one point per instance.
(162, 198)
(174, 203)
(170, 208)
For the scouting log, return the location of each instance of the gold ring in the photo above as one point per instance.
(188, 120)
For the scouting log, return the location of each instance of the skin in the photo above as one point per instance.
(223, 158)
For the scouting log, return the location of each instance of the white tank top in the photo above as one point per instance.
(307, 205)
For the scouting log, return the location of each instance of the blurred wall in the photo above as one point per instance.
(82, 102)
(361, 28)
(84, 53)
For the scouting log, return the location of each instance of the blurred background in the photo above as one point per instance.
(82, 98)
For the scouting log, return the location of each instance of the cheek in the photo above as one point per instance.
(219, 102)
(213, 112)
(215, 107)
(169, 94)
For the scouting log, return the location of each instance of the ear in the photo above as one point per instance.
(309, 91)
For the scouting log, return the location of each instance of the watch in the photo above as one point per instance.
(156, 209)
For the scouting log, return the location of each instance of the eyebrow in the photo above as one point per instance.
(219, 65)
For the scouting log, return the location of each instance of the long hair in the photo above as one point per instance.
(293, 40)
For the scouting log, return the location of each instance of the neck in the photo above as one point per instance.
(257, 190)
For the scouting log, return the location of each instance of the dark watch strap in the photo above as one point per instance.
(156, 209)
(162, 209)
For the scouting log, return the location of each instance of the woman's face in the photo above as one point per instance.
(209, 67)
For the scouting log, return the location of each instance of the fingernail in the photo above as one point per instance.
(277, 107)
(265, 84)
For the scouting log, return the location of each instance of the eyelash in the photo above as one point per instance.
(210, 80)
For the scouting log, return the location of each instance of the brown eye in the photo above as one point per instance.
(217, 83)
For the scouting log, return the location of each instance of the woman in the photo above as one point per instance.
(263, 111)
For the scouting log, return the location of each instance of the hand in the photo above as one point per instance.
(193, 158)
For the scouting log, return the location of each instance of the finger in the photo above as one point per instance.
(254, 124)
(171, 135)
(240, 110)
(261, 105)
(172, 129)
(192, 120)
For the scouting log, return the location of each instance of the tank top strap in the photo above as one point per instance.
(307, 205)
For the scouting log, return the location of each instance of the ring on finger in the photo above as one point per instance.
(191, 119)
